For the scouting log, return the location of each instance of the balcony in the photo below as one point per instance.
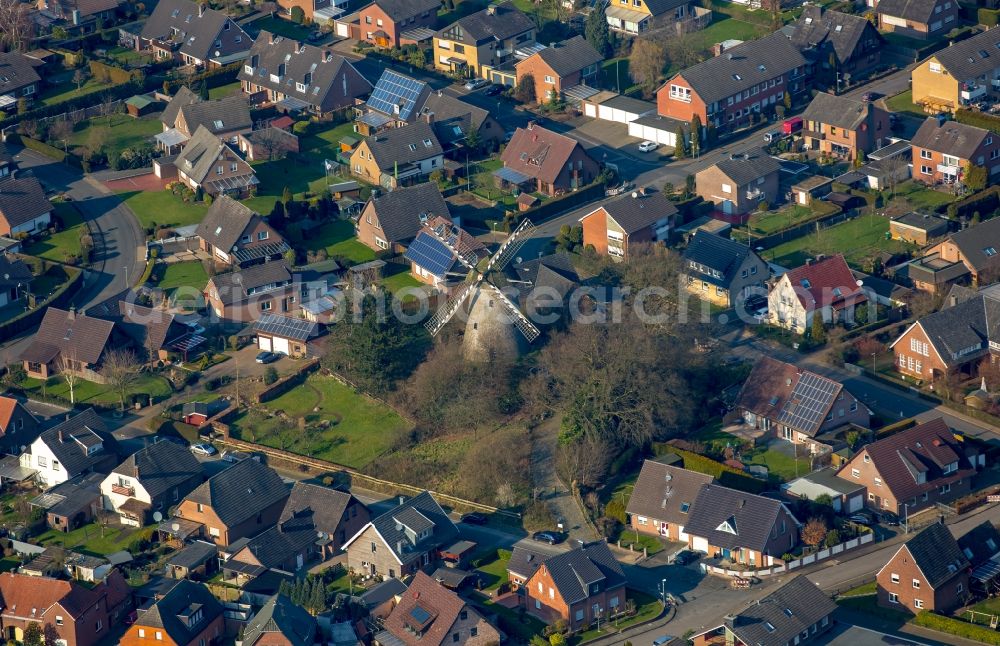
(946, 169)
(122, 490)
(970, 93)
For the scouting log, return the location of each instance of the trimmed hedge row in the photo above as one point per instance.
(116, 74)
(49, 151)
(957, 627)
(988, 17)
(978, 119)
(212, 78)
(726, 475)
(986, 202)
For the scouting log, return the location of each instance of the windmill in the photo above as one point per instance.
(496, 327)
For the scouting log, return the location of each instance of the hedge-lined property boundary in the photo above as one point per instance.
(957, 627)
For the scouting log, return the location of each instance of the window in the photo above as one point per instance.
(454, 637)
(550, 80)
(960, 588)
(473, 631)
(642, 520)
(213, 532)
(55, 465)
(219, 170)
(878, 482)
(918, 603)
(871, 497)
(142, 633)
(43, 461)
(201, 507)
(98, 625)
(262, 235)
(893, 597)
(552, 592)
(916, 584)
(726, 188)
(894, 577)
(59, 620)
(680, 93)
(926, 170)
(855, 473)
(579, 615)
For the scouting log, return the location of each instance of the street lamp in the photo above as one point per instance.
(599, 611)
(874, 370)
(663, 592)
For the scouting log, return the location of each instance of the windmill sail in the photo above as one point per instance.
(448, 310)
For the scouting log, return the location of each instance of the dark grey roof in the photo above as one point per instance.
(665, 493)
(184, 96)
(400, 9)
(399, 211)
(71, 497)
(13, 272)
(932, 224)
(16, 73)
(980, 544)
(839, 111)
(240, 491)
(182, 598)
(971, 323)
(382, 592)
(570, 56)
(951, 137)
(279, 544)
(200, 154)
(199, 35)
(660, 7)
(974, 241)
(752, 517)
(573, 572)
(399, 527)
(497, 22)
(225, 222)
(22, 200)
(193, 554)
(333, 81)
(232, 286)
(219, 116)
(780, 617)
(743, 66)
(936, 552)
(280, 615)
(915, 10)
(964, 60)
(286, 327)
(451, 113)
(70, 440)
(721, 256)
(325, 506)
(843, 31)
(161, 467)
(524, 561)
(749, 167)
(636, 211)
(406, 145)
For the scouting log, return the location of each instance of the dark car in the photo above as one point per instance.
(888, 518)
(686, 556)
(475, 518)
(552, 538)
(871, 96)
(267, 357)
(860, 519)
(493, 90)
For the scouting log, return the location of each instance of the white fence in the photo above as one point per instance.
(781, 568)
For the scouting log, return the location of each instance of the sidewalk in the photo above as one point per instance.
(554, 492)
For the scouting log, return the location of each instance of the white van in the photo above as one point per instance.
(772, 137)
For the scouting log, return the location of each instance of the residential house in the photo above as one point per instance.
(281, 623)
(398, 155)
(72, 504)
(917, 228)
(577, 586)
(743, 528)
(661, 500)
(913, 469)
(79, 444)
(235, 234)
(797, 405)
(18, 79)
(24, 209)
(285, 335)
(845, 497)
(335, 514)
(239, 502)
(825, 286)
(431, 615)
(453, 119)
(81, 17)
(268, 144)
(928, 572)
(523, 562)
(981, 544)
(197, 561)
(150, 480)
(433, 258)
(723, 271)
(69, 342)
(154, 332)
(561, 67)
(402, 540)
(187, 615)
(295, 75)
(226, 118)
(752, 77)
(381, 598)
(638, 16)
(76, 614)
(484, 40)
(837, 42)
(392, 23)
(15, 280)
(960, 74)
(18, 427)
(943, 151)
(287, 546)
(390, 221)
(171, 140)
(798, 612)
(964, 256)
(242, 296)
(740, 183)
(843, 127)
(917, 18)
(214, 167)
(539, 160)
(639, 218)
(194, 35)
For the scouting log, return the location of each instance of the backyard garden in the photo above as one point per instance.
(860, 239)
(65, 244)
(163, 209)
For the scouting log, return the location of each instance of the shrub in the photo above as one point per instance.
(270, 375)
(300, 128)
(957, 627)
(832, 537)
(988, 17)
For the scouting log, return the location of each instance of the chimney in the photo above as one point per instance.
(954, 300)
(531, 125)
(72, 313)
(492, 10)
(136, 471)
(429, 117)
(941, 118)
(60, 436)
(201, 10)
(941, 519)
(729, 621)
(809, 261)
(270, 38)
(399, 547)
(402, 499)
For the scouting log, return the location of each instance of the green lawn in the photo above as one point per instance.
(90, 392)
(493, 573)
(400, 280)
(615, 75)
(337, 237)
(66, 243)
(903, 102)
(341, 425)
(519, 623)
(8, 563)
(126, 56)
(223, 91)
(772, 221)
(121, 132)
(183, 274)
(780, 464)
(647, 607)
(65, 90)
(923, 198)
(715, 439)
(162, 208)
(88, 539)
(858, 239)
(280, 27)
(862, 590)
(724, 27)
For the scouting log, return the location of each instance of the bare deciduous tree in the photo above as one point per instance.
(275, 143)
(16, 26)
(67, 368)
(121, 370)
(646, 63)
(60, 131)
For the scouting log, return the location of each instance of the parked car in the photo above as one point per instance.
(475, 518)
(493, 90)
(203, 449)
(888, 518)
(686, 556)
(552, 538)
(315, 36)
(232, 457)
(773, 137)
(648, 146)
(664, 640)
(860, 519)
(475, 84)
(267, 357)
(871, 96)
(760, 314)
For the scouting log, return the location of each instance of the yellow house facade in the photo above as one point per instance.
(636, 16)
(934, 86)
(483, 41)
(962, 74)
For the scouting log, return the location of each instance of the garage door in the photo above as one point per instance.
(605, 112)
(281, 345)
(681, 534)
(855, 504)
(700, 544)
(590, 110)
(621, 116)
(264, 343)
(343, 30)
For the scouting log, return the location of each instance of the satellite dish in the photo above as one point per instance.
(175, 527)
(157, 516)
(860, 282)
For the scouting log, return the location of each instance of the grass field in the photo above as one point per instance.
(280, 27)
(121, 132)
(223, 91)
(360, 429)
(90, 392)
(162, 208)
(858, 239)
(66, 243)
(903, 102)
(64, 90)
(493, 572)
(183, 274)
(88, 539)
(772, 221)
(337, 237)
(778, 459)
(126, 56)
(725, 27)
(922, 198)
(400, 280)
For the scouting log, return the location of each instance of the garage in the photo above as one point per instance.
(285, 335)
(609, 106)
(700, 544)
(281, 345)
(653, 127)
(855, 504)
(590, 110)
(264, 343)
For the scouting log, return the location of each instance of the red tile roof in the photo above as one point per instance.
(538, 152)
(7, 407)
(426, 600)
(32, 596)
(829, 282)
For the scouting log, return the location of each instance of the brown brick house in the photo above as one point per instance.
(187, 615)
(834, 41)
(739, 184)
(338, 515)
(577, 586)
(843, 127)
(239, 502)
(236, 235)
(288, 546)
(538, 159)
(281, 623)
(928, 572)
(913, 469)
(962, 257)
(193, 34)
(18, 427)
(390, 221)
(244, 295)
(391, 23)
(943, 150)
(214, 167)
(661, 500)
(77, 614)
(639, 217)
(67, 340)
(917, 18)
(559, 67)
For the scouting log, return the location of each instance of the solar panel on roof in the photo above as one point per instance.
(420, 615)
(285, 327)
(810, 399)
(396, 94)
(429, 253)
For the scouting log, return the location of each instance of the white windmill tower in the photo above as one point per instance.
(496, 327)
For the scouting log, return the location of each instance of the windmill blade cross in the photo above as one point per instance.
(511, 246)
(448, 310)
(469, 264)
(521, 321)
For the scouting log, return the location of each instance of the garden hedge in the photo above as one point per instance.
(957, 627)
(988, 17)
(978, 119)
(726, 475)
